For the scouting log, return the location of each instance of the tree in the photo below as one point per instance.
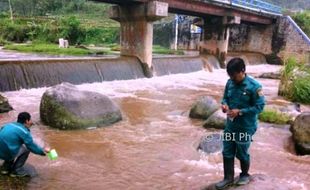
(11, 10)
(303, 21)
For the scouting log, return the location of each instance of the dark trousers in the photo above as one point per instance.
(18, 161)
(236, 144)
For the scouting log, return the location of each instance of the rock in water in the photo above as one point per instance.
(271, 75)
(4, 105)
(30, 170)
(65, 107)
(211, 143)
(204, 107)
(301, 133)
(217, 120)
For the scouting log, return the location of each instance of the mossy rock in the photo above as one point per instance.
(4, 105)
(65, 107)
(204, 108)
(301, 133)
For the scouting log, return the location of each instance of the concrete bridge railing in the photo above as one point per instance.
(298, 29)
(257, 4)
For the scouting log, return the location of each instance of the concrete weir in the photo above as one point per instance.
(17, 74)
(174, 65)
(25, 74)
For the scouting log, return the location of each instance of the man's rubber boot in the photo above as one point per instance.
(228, 174)
(244, 177)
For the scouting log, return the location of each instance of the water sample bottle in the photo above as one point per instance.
(52, 155)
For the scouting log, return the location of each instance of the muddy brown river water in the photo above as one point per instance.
(155, 146)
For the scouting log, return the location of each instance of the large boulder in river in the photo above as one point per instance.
(65, 107)
(217, 120)
(271, 75)
(204, 108)
(4, 105)
(301, 133)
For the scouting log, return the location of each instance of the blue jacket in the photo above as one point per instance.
(249, 99)
(12, 137)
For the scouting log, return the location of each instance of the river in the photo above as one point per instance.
(155, 146)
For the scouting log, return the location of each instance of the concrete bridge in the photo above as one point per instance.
(264, 26)
(216, 7)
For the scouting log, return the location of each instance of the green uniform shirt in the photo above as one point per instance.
(246, 96)
(12, 137)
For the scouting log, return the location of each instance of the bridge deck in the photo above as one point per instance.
(217, 8)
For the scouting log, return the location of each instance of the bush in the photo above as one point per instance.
(289, 66)
(4, 15)
(295, 79)
(163, 33)
(273, 116)
(301, 90)
(49, 30)
(101, 35)
(3, 41)
(303, 20)
(16, 32)
(71, 30)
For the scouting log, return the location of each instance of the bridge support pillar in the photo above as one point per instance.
(215, 37)
(136, 33)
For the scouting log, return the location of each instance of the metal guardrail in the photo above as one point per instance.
(258, 4)
(299, 30)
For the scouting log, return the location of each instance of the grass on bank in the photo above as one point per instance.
(274, 116)
(165, 51)
(157, 49)
(295, 83)
(53, 49)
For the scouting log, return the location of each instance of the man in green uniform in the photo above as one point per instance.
(243, 100)
(16, 143)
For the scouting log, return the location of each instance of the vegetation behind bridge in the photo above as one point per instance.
(45, 21)
(79, 21)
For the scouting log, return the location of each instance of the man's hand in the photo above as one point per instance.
(233, 113)
(225, 108)
(47, 149)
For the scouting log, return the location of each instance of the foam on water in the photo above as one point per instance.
(128, 88)
(263, 68)
(156, 101)
(201, 164)
(178, 81)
